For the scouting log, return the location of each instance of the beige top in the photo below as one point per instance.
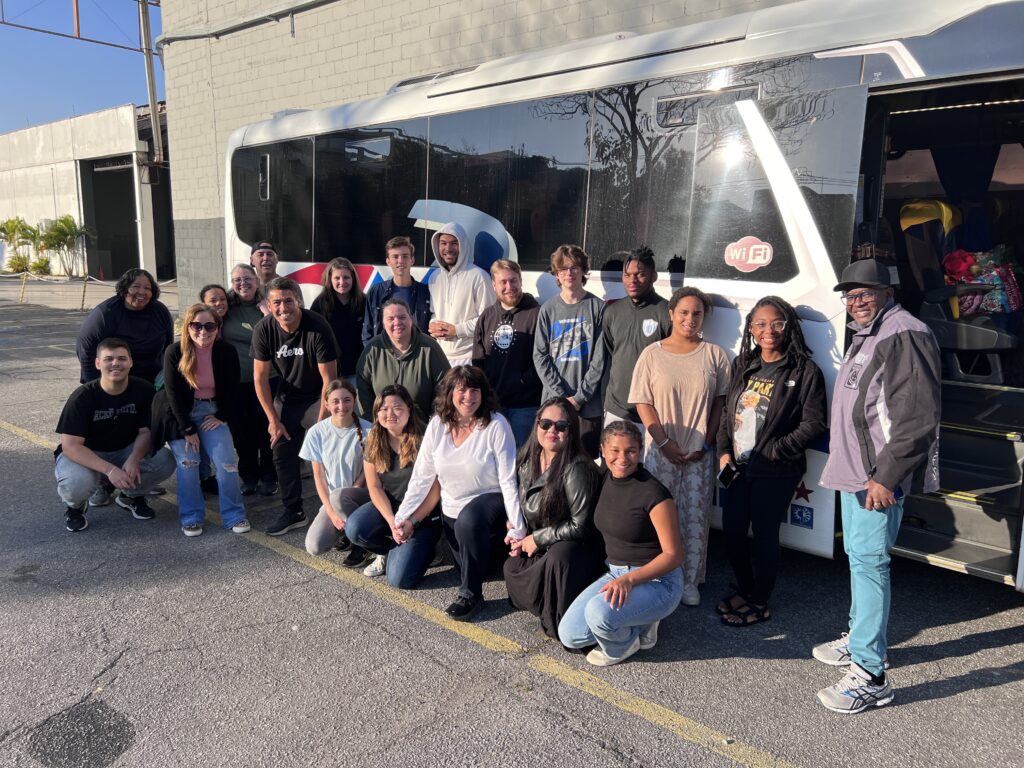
(681, 387)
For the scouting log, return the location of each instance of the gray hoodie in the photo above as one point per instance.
(460, 294)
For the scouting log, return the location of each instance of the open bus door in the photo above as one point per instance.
(776, 188)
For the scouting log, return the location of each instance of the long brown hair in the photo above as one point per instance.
(333, 386)
(329, 299)
(189, 363)
(378, 446)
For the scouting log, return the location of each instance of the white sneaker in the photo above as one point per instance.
(855, 693)
(691, 595)
(377, 567)
(192, 530)
(242, 526)
(599, 658)
(649, 636)
(837, 652)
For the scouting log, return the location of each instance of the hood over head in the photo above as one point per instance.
(465, 247)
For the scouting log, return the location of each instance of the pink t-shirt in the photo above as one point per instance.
(206, 388)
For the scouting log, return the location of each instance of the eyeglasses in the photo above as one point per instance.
(859, 296)
(560, 426)
(763, 325)
(243, 281)
(570, 268)
(208, 327)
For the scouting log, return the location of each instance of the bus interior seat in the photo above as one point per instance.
(971, 345)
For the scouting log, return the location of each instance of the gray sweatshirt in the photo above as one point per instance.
(568, 352)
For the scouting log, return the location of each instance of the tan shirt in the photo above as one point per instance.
(681, 387)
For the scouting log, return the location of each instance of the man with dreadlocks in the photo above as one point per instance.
(774, 410)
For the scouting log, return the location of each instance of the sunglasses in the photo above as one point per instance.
(560, 426)
(208, 327)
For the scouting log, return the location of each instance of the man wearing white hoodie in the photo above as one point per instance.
(459, 292)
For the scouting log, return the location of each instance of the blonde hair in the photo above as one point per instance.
(189, 363)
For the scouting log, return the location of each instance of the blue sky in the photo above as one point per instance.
(48, 78)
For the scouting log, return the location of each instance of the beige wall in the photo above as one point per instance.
(344, 51)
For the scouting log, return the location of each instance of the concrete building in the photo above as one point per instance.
(96, 168)
(229, 64)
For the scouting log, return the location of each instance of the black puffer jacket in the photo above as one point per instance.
(582, 485)
(795, 418)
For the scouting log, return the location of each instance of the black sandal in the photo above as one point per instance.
(728, 605)
(746, 616)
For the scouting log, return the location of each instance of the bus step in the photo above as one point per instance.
(964, 557)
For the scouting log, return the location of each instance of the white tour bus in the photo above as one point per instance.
(752, 154)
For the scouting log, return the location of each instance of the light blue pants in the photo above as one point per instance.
(219, 446)
(868, 534)
(591, 619)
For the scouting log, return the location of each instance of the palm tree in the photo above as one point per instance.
(12, 233)
(63, 236)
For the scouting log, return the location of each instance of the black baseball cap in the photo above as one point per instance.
(263, 245)
(866, 273)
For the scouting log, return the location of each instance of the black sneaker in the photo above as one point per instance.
(357, 557)
(267, 487)
(248, 488)
(288, 521)
(464, 609)
(209, 486)
(136, 505)
(74, 519)
(343, 544)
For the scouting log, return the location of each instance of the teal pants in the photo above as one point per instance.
(868, 535)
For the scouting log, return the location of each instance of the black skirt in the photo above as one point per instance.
(547, 583)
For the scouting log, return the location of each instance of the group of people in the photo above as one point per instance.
(464, 409)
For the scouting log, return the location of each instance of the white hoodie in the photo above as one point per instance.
(459, 295)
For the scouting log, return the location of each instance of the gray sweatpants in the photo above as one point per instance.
(322, 535)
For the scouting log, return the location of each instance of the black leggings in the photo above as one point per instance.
(760, 503)
(474, 537)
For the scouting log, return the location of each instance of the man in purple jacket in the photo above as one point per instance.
(884, 444)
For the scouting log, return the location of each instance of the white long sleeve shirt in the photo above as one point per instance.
(484, 463)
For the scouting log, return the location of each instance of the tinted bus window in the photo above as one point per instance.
(367, 181)
(272, 192)
(523, 164)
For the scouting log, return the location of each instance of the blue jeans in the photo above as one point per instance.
(868, 534)
(591, 619)
(218, 445)
(407, 562)
(76, 483)
(522, 421)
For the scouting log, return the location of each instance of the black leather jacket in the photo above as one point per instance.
(581, 482)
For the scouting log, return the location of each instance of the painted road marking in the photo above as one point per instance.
(656, 714)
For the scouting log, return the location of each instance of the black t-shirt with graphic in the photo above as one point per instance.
(752, 407)
(295, 356)
(107, 422)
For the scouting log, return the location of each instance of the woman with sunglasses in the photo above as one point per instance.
(774, 410)
(201, 382)
(562, 552)
(246, 307)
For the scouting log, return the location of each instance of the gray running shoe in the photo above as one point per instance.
(855, 693)
(837, 652)
(101, 497)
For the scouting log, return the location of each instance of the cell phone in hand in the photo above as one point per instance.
(862, 496)
(727, 474)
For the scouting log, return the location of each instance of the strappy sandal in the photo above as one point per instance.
(747, 616)
(729, 604)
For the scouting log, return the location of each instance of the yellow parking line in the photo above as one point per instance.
(656, 714)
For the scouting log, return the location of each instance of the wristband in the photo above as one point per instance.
(110, 470)
(663, 443)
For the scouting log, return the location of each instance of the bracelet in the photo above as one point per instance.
(110, 470)
(663, 443)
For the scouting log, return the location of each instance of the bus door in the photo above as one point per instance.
(776, 187)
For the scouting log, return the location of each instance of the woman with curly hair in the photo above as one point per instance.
(469, 451)
(562, 553)
(774, 411)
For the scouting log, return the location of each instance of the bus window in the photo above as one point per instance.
(367, 181)
(524, 164)
(272, 193)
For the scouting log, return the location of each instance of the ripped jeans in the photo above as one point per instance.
(218, 445)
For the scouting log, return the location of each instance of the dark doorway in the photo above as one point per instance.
(108, 196)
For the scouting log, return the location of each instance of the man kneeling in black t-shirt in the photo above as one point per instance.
(104, 430)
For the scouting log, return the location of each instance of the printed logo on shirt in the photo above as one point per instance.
(286, 351)
(649, 327)
(570, 342)
(113, 413)
(503, 336)
(852, 378)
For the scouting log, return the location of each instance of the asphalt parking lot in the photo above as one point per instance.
(130, 645)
